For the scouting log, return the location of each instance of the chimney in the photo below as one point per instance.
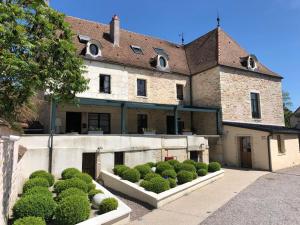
(115, 30)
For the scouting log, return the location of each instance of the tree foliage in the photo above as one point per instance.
(37, 55)
(287, 104)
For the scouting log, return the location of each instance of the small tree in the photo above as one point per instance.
(36, 54)
(287, 104)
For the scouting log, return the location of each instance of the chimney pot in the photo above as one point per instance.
(115, 30)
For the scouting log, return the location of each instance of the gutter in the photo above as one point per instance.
(269, 152)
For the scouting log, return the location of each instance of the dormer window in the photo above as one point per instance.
(161, 63)
(136, 49)
(160, 51)
(93, 49)
(250, 62)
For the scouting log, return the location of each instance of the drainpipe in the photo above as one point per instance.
(52, 131)
(269, 152)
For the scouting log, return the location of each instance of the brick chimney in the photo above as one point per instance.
(115, 30)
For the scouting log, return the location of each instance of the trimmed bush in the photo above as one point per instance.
(34, 205)
(69, 173)
(91, 186)
(173, 162)
(214, 166)
(146, 184)
(41, 182)
(195, 175)
(71, 192)
(158, 185)
(151, 164)
(62, 185)
(30, 220)
(120, 169)
(38, 190)
(132, 175)
(187, 167)
(162, 166)
(93, 192)
(43, 174)
(72, 210)
(172, 182)
(202, 172)
(151, 175)
(189, 161)
(85, 177)
(169, 174)
(184, 177)
(201, 165)
(143, 169)
(107, 205)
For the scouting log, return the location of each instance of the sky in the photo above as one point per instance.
(270, 29)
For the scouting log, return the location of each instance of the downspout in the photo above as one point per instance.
(269, 152)
(191, 103)
(52, 131)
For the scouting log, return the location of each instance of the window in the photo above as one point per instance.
(280, 144)
(161, 51)
(162, 62)
(136, 49)
(179, 90)
(119, 158)
(255, 105)
(105, 84)
(142, 122)
(94, 49)
(99, 121)
(141, 87)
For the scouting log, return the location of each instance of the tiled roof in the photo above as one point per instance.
(213, 48)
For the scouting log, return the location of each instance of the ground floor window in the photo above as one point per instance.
(280, 144)
(194, 156)
(142, 122)
(99, 121)
(119, 158)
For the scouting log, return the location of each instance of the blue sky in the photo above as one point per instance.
(270, 29)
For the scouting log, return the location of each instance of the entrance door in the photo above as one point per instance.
(142, 122)
(73, 122)
(89, 164)
(194, 155)
(245, 152)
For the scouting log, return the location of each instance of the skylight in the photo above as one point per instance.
(136, 49)
(161, 51)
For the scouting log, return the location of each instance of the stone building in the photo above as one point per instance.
(295, 119)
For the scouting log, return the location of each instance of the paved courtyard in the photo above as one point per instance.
(274, 199)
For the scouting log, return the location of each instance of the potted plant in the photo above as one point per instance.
(149, 131)
(187, 132)
(97, 131)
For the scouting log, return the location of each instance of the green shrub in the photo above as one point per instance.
(93, 192)
(120, 169)
(62, 185)
(173, 162)
(41, 182)
(69, 173)
(201, 165)
(72, 210)
(158, 185)
(132, 175)
(38, 190)
(172, 182)
(187, 167)
(91, 186)
(143, 169)
(71, 192)
(162, 166)
(34, 205)
(177, 167)
(43, 174)
(184, 177)
(30, 220)
(107, 205)
(195, 175)
(85, 177)
(189, 161)
(202, 172)
(146, 184)
(150, 175)
(169, 174)
(214, 166)
(151, 164)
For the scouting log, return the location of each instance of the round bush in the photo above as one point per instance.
(107, 205)
(151, 164)
(187, 167)
(69, 173)
(72, 210)
(158, 185)
(143, 169)
(169, 174)
(120, 169)
(71, 192)
(35, 205)
(62, 185)
(173, 162)
(94, 192)
(41, 182)
(172, 182)
(201, 165)
(146, 184)
(85, 177)
(38, 190)
(91, 186)
(162, 166)
(30, 220)
(202, 172)
(43, 174)
(214, 166)
(189, 161)
(132, 175)
(151, 175)
(184, 177)
(195, 175)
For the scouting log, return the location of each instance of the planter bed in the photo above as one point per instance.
(134, 190)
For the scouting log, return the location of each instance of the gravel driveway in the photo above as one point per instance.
(274, 199)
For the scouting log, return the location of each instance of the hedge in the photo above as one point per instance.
(185, 166)
(146, 184)
(30, 220)
(34, 205)
(184, 177)
(41, 182)
(91, 186)
(169, 174)
(38, 190)
(62, 185)
(158, 185)
(151, 175)
(107, 205)
(120, 169)
(173, 162)
(70, 192)
(132, 175)
(162, 166)
(85, 177)
(189, 161)
(202, 172)
(143, 169)
(72, 210)
(43, 174)
(93, 192)
(172, 182)
(214, 166)
(151, 164)
(69, 173)
(201, 165)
